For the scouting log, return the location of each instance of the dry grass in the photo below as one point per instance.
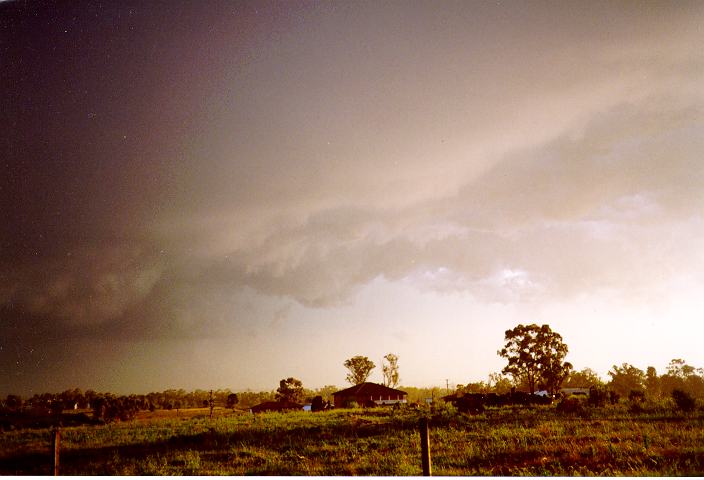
(536, 441)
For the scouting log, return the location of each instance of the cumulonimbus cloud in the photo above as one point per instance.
(582, 172)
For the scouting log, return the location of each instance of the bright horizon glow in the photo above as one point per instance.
(466, 350)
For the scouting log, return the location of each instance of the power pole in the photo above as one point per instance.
(447, 385)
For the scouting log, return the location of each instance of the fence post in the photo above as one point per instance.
(425, 446)
(56, 444)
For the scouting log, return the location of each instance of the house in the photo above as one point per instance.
(574, 391)
(449, 398)
(276, 407)
(369, 394)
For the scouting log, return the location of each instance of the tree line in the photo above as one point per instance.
(622, 380)
(103, 403)
(535, 361)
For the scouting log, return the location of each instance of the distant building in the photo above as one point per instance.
(276, 407)
(574, 391)
(369, 394)
(450, 398)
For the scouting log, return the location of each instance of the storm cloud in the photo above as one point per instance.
(179, 171)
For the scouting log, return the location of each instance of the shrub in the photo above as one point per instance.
(636, 396)
(683, 400)
(446, 410)
(318, 405)
(597, 397)
(571, 404)
(109, 409)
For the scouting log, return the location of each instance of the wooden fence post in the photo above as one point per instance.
(56, 444)
(425, 446)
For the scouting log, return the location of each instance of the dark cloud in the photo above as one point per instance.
(572, 216)
(191, 171)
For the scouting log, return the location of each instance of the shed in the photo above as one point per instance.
(575, 391)
(276, 407)
(368, 393)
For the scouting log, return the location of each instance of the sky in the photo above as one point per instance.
(222, 194)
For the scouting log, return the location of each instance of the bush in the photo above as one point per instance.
(571, 404)
(317, 405)
(636, 396)
(683, 400)
(597, 397)
(446, 410)
(109, 409)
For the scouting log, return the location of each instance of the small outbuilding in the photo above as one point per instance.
(369, 394)
(276, 407)
(575, 391)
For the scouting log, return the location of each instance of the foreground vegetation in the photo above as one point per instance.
(653, 439)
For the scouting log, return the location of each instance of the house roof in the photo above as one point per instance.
(575, 390)
(281, 405)
(369, 388)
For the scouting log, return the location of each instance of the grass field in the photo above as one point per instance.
(508, 441)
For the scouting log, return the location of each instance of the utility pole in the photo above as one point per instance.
(211, 403)
(447, 385)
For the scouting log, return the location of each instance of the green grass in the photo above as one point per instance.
(509, 441)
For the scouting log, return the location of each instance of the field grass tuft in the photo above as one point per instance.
(509, 441)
